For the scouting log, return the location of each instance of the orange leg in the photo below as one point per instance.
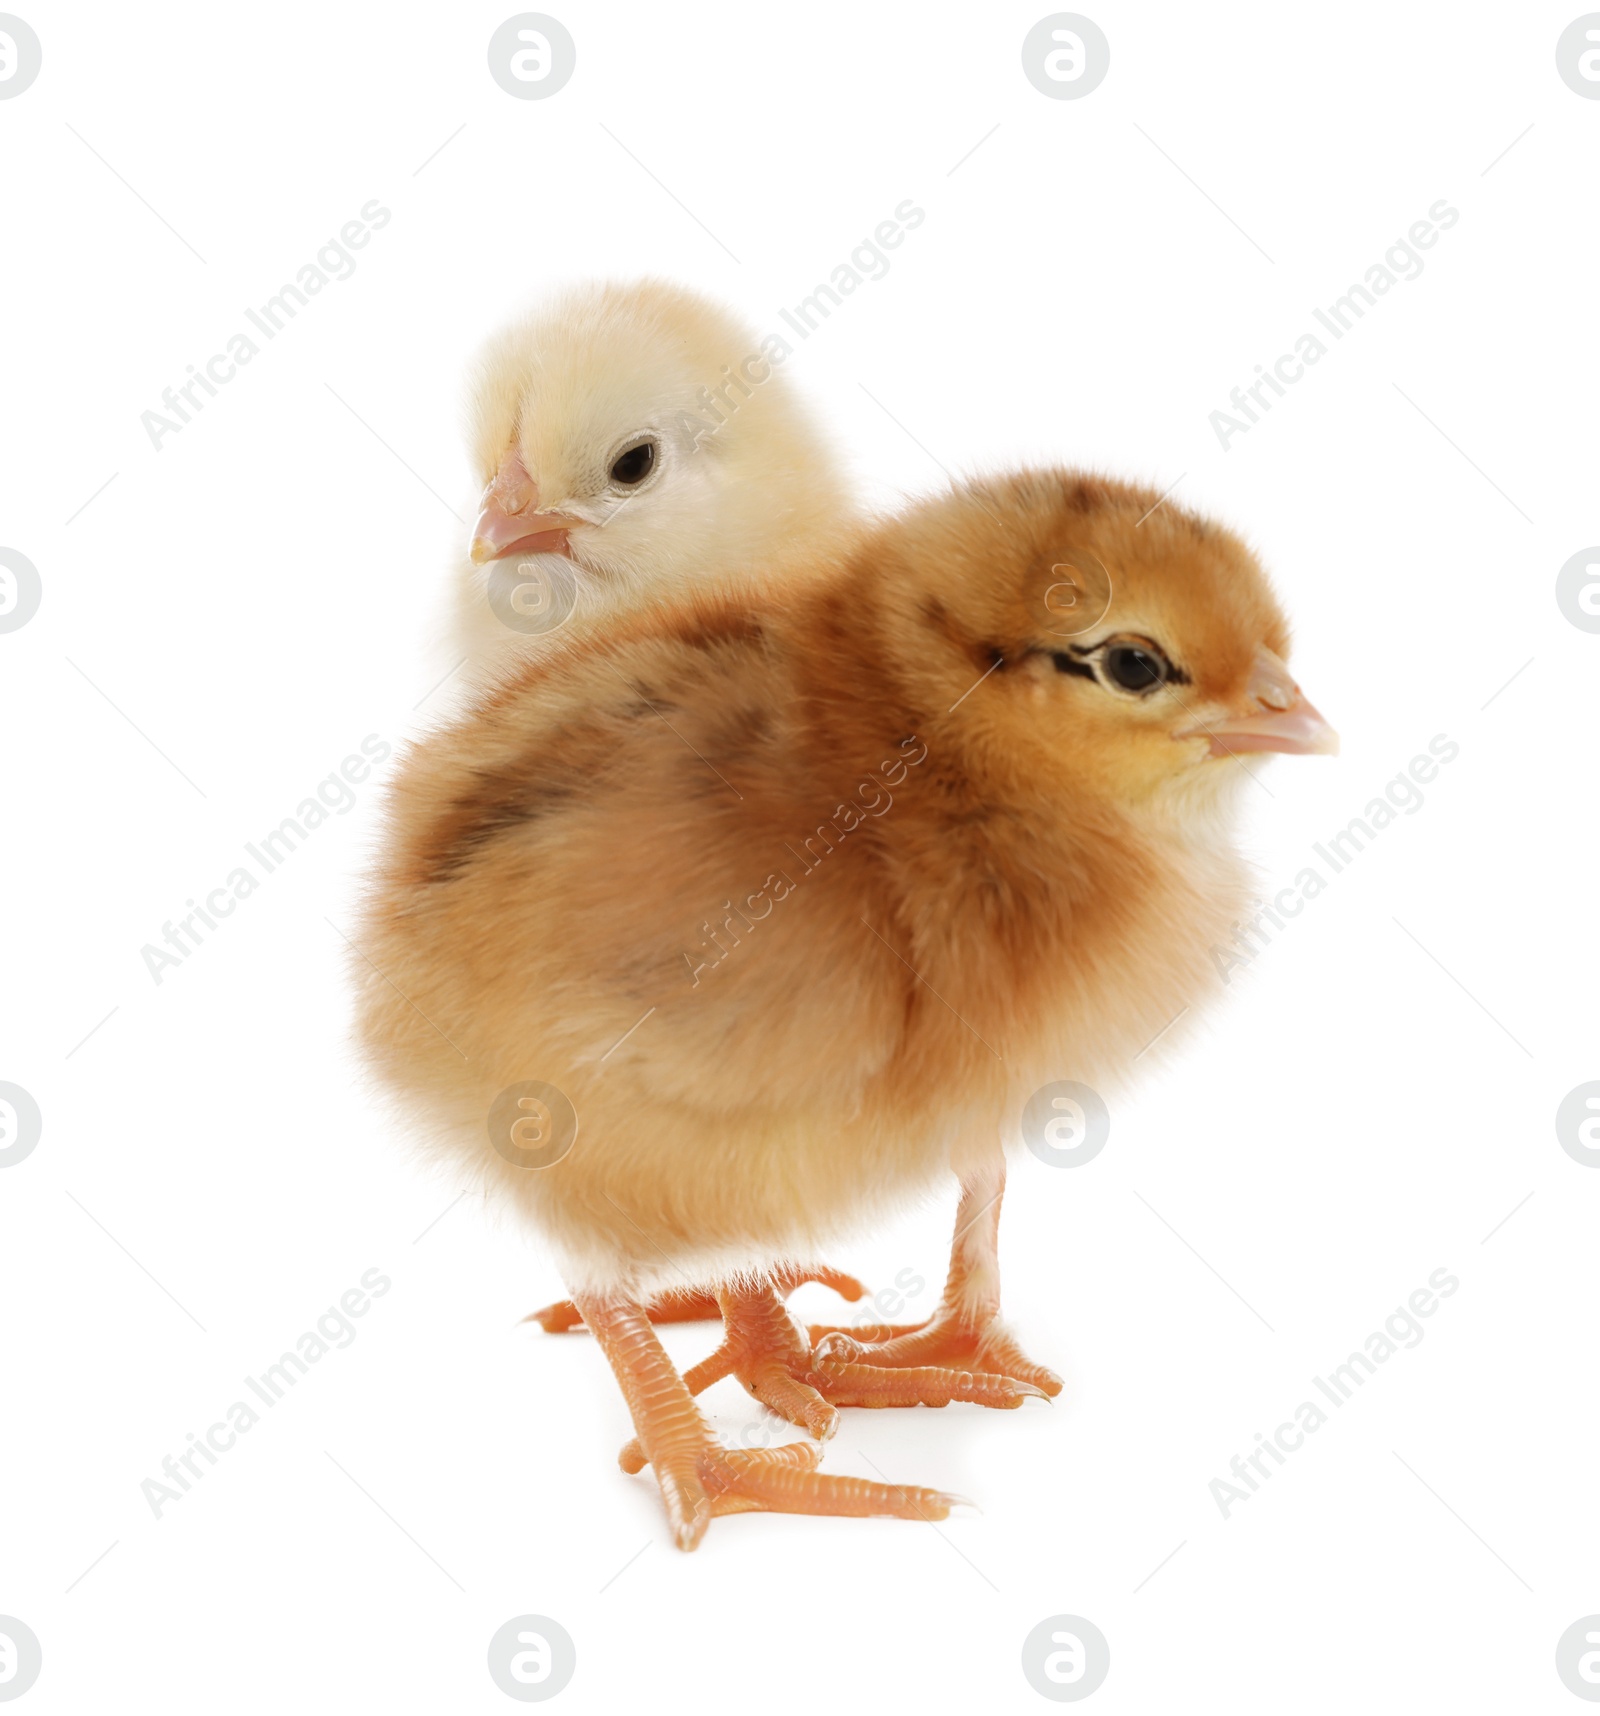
(699, 1479)
(966, 1328)
(689, 1305)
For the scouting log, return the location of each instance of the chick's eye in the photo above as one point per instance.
(634, 465)
(1135, 667)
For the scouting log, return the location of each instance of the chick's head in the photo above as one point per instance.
(1079, 635)
(645, 434)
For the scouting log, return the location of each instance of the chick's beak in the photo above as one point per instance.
(1278, 717)
(510, 521)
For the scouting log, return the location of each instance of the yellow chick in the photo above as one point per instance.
(729, 931)
(637, 444)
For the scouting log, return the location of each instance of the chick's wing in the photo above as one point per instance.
(646, 874)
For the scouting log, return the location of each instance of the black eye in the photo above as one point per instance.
(635, 465)
(1135, 667)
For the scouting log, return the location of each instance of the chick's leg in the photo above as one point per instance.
(966, 1329)
(699, 1479)
(689, 1305)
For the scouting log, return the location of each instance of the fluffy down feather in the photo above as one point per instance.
(799, 899)
(742, 489)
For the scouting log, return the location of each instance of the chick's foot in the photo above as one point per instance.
(765, 1350)
(786, 1480)
(966, 1330)
(687, 1305)
(950, 1339)
(700, 1480)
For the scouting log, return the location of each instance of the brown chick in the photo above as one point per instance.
(723, 936)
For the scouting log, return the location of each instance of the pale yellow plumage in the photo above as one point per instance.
(744, 485)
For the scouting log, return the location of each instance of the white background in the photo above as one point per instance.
(266, 590)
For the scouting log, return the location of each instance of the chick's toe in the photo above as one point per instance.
(690, 1305)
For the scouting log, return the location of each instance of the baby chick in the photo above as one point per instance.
(636, 444)
(731, 930)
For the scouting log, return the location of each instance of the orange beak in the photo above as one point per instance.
(510, 521)
(1279, 718)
